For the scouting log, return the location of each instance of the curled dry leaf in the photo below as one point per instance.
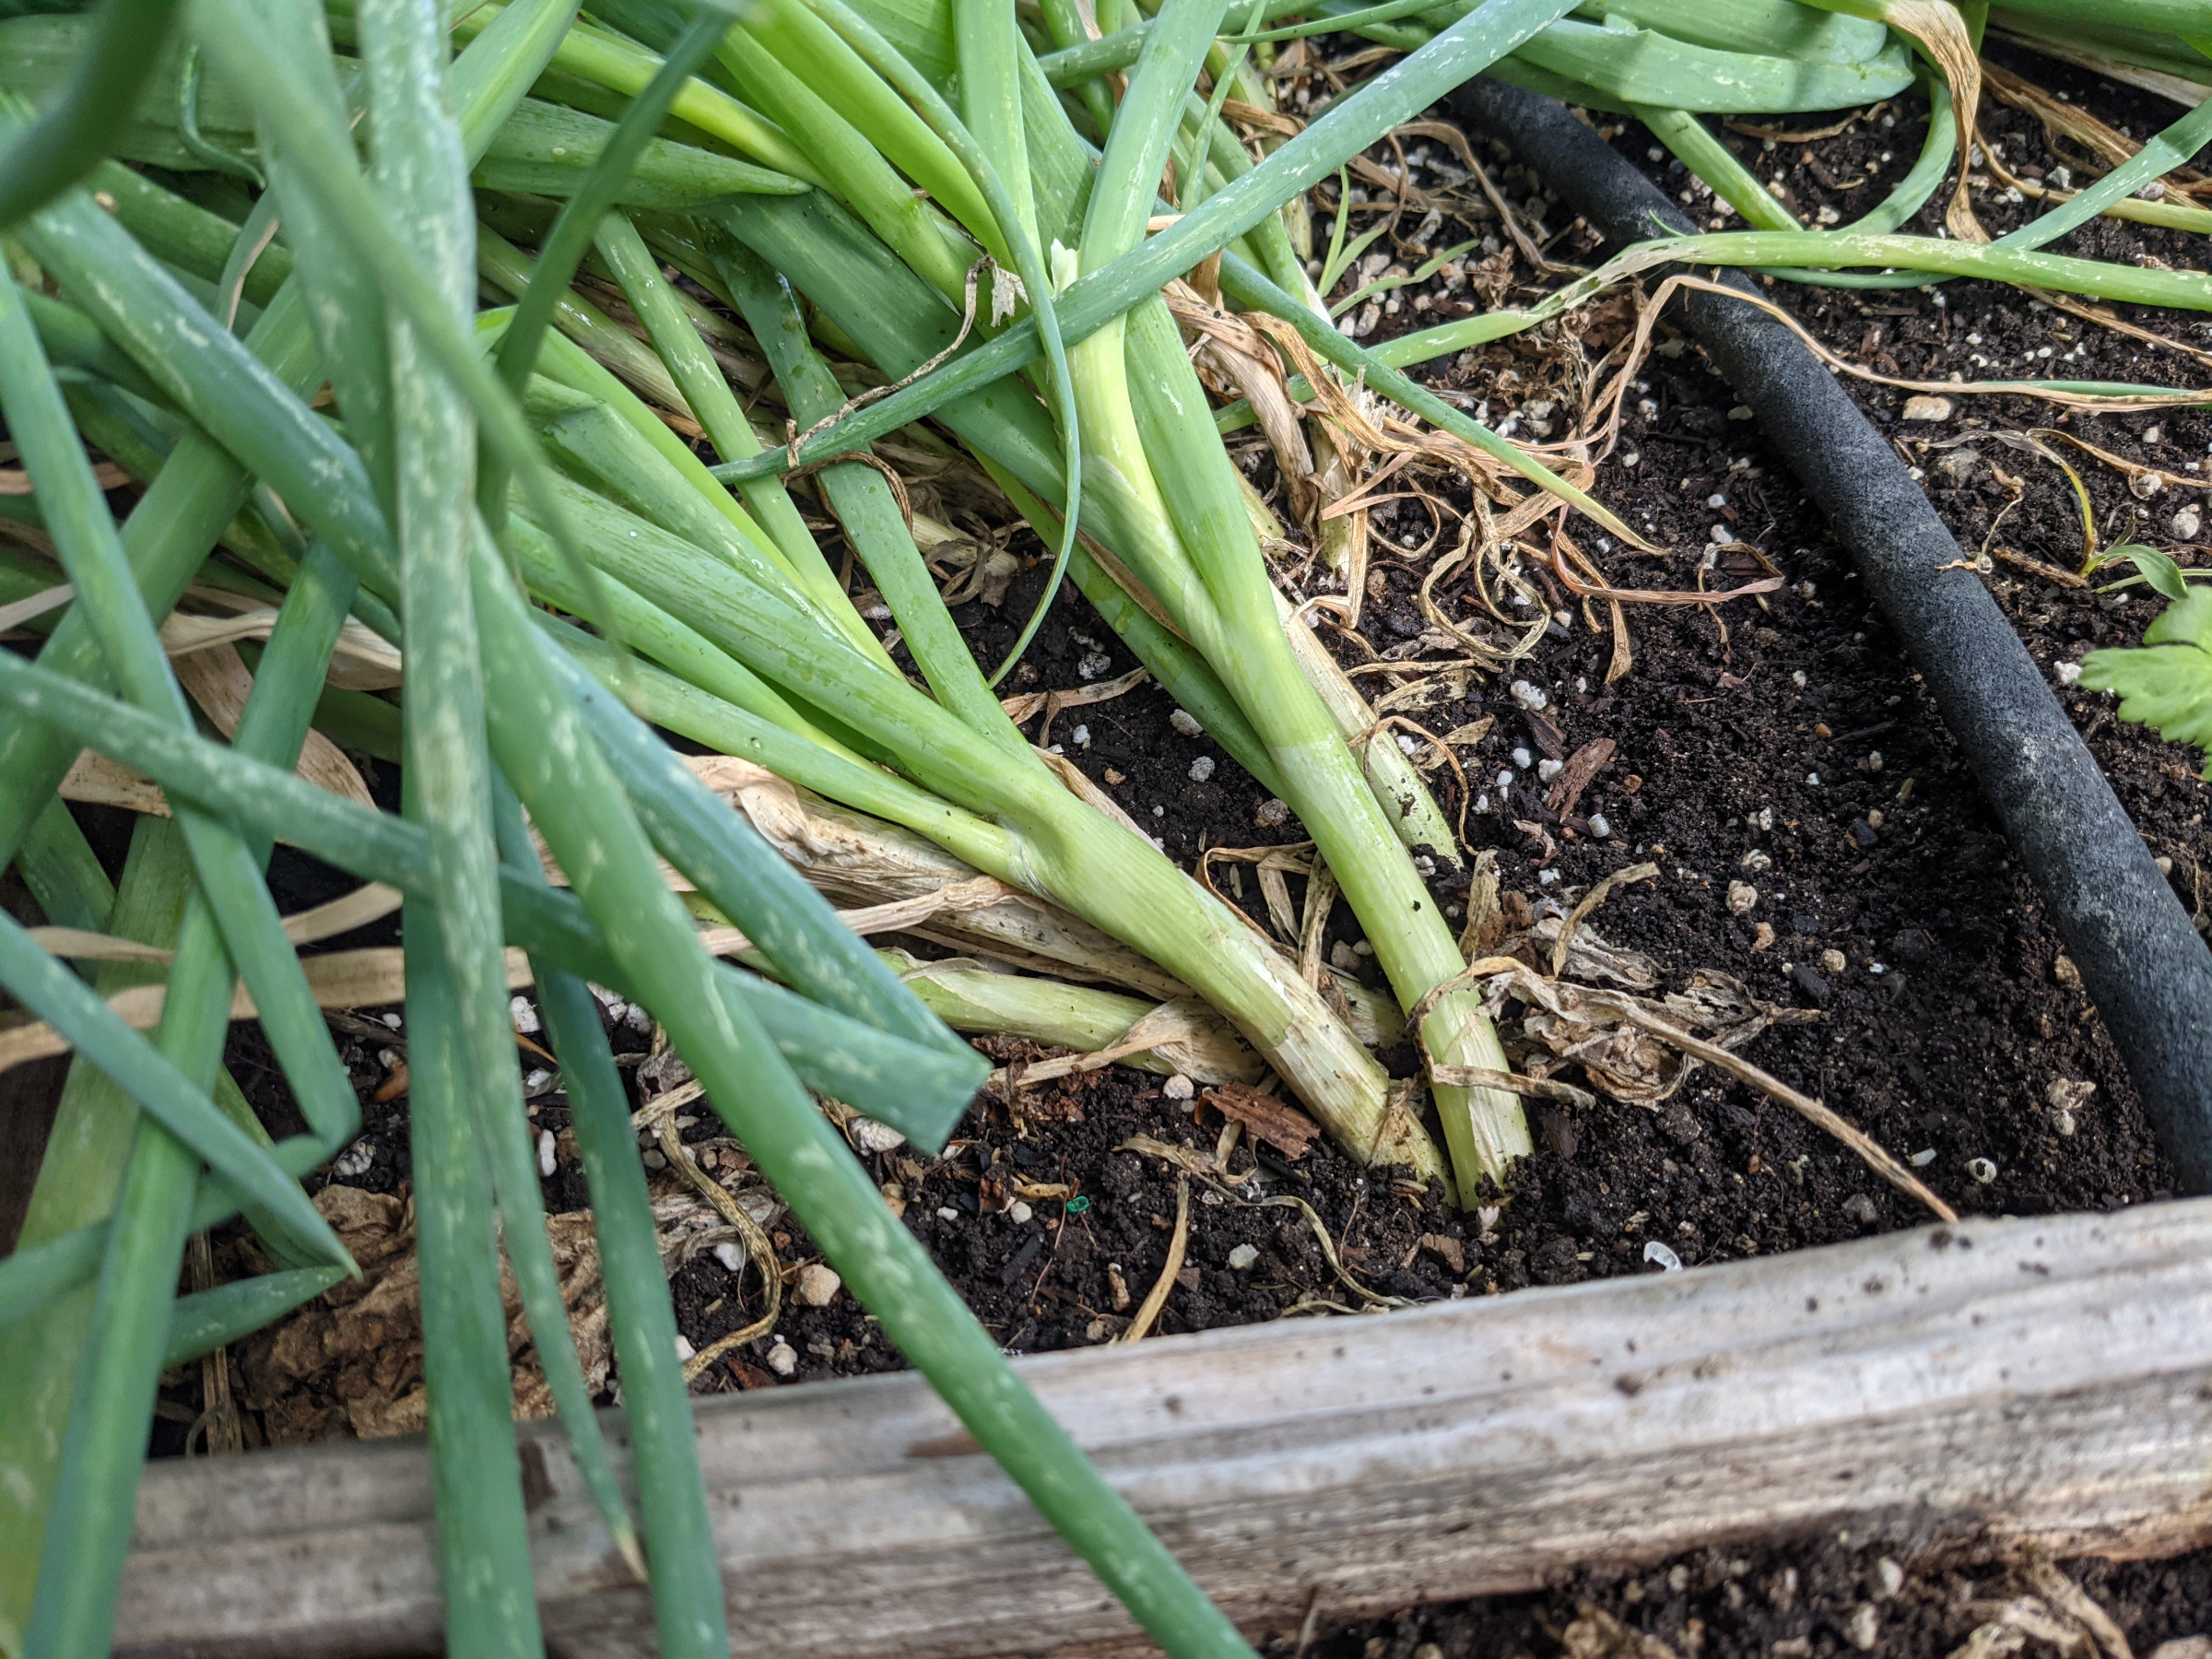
(1234, 353)
(1626, 1061)
(1276, 1122)
(854, 859)
(351, 1361)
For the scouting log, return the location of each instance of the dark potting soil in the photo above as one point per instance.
(1806, 1598)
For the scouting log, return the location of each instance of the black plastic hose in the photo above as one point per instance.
(2140, 958)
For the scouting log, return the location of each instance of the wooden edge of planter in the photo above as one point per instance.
(2043, 1384)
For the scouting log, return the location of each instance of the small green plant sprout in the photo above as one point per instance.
(2153, 568)
(2165, 682)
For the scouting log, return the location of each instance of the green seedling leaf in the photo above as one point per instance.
(1342, 260)
(2151, 566)
(2165, 682)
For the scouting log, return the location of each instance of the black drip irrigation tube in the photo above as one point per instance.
(2140, 958)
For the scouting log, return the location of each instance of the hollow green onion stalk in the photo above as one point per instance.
(1187, 541)
(556, 769)
(99, 1451)
(1012, 817)
(687, 1589)
(1184, 535)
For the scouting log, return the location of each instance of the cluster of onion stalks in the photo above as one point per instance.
(190, 345)
(287, 351)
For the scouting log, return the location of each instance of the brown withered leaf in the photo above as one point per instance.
(352, 1360)
(1277, 1122)
(1583, 765)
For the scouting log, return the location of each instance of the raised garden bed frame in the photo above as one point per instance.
(1997, 1386)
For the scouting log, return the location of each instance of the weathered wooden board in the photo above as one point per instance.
(2007, 1382)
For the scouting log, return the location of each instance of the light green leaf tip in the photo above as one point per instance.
(2165, 682)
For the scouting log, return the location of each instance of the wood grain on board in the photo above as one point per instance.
(1994, 1384)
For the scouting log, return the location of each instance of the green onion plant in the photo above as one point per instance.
(875, 214)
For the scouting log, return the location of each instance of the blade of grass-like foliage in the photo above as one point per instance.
(1086, 60)
(1694, 144)
(1073, 64)
(58, 865)
(144, 312)
(2160, 156)
(554, 767)
(2182, 289)
(864, 502)
(207, 1320)
(257, 236)
(343, 299)
(71, 138)
(621, 65)
(572, 234)
(88, 1527)
(73, 340)
(999, 50)
(243, 402)
(1349, 126)
(1682, 132)
(185, 234)
(1191, 159)
(679, 1535)
(711, 400)
(676, 645)
(224, 29)
(913, 1087)
(724, 856)
(1066, 22)
(548, 149)
(201, 148)
(49, 990)
(476, 1474)
(827, 131)
(87, 1152)
(36, 1275)
(92, 553)
(1188, 538)
(987, 42)
(165, 540)
(823, 59)
(87, 1532)
(422, 176)
(685, 707)
(593, 440)
(511, 270)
